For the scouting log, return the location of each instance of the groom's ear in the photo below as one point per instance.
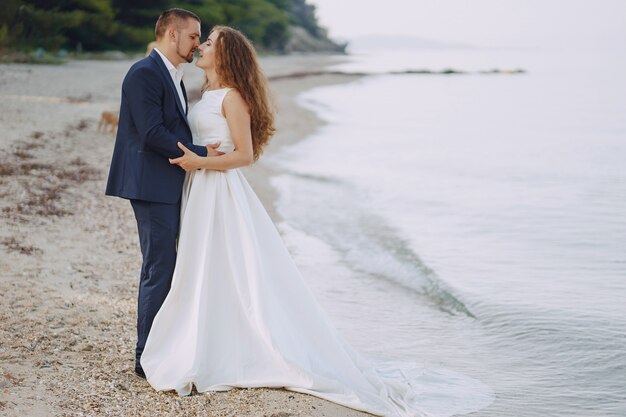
(172, 32)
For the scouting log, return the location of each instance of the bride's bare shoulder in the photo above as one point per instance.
(234, 102)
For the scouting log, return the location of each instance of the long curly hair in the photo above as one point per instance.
(237, 67)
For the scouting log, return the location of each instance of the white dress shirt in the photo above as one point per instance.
(177, 76)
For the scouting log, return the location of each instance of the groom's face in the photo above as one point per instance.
(188, 39)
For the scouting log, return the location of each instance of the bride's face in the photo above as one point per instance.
(206, 60)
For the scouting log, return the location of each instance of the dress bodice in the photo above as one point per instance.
(207, 123)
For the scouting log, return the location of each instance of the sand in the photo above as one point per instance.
(69, 256)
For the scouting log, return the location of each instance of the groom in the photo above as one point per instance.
(153, 118)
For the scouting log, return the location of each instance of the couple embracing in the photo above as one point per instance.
(221, 303)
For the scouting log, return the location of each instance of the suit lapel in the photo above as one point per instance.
(168, 79)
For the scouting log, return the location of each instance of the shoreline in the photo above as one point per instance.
(294, 123)
(70, 255)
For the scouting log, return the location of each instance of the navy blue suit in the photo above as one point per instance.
(152, 119)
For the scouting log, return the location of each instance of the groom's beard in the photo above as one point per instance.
(188, 57)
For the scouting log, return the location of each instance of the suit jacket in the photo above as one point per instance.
(152, 119)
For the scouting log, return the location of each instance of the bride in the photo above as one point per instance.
(239, 313)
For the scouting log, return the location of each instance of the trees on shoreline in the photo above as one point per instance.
(99, 25)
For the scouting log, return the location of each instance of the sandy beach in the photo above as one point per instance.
(70, 257)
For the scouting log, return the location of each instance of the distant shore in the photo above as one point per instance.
(70, 257)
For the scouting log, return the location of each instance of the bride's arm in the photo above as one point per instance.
(238, 118)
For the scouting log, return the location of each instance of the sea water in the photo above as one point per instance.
(473, 221)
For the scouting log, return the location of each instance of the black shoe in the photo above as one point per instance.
(140, 373)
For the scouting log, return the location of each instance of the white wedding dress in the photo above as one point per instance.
(239, 313)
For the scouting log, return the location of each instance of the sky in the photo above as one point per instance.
(519, 23)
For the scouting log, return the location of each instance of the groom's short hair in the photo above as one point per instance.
(174, 16)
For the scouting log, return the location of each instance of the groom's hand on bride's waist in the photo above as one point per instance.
(190, 160)
(211, 149)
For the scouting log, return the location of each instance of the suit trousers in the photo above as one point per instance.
(157, 224)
